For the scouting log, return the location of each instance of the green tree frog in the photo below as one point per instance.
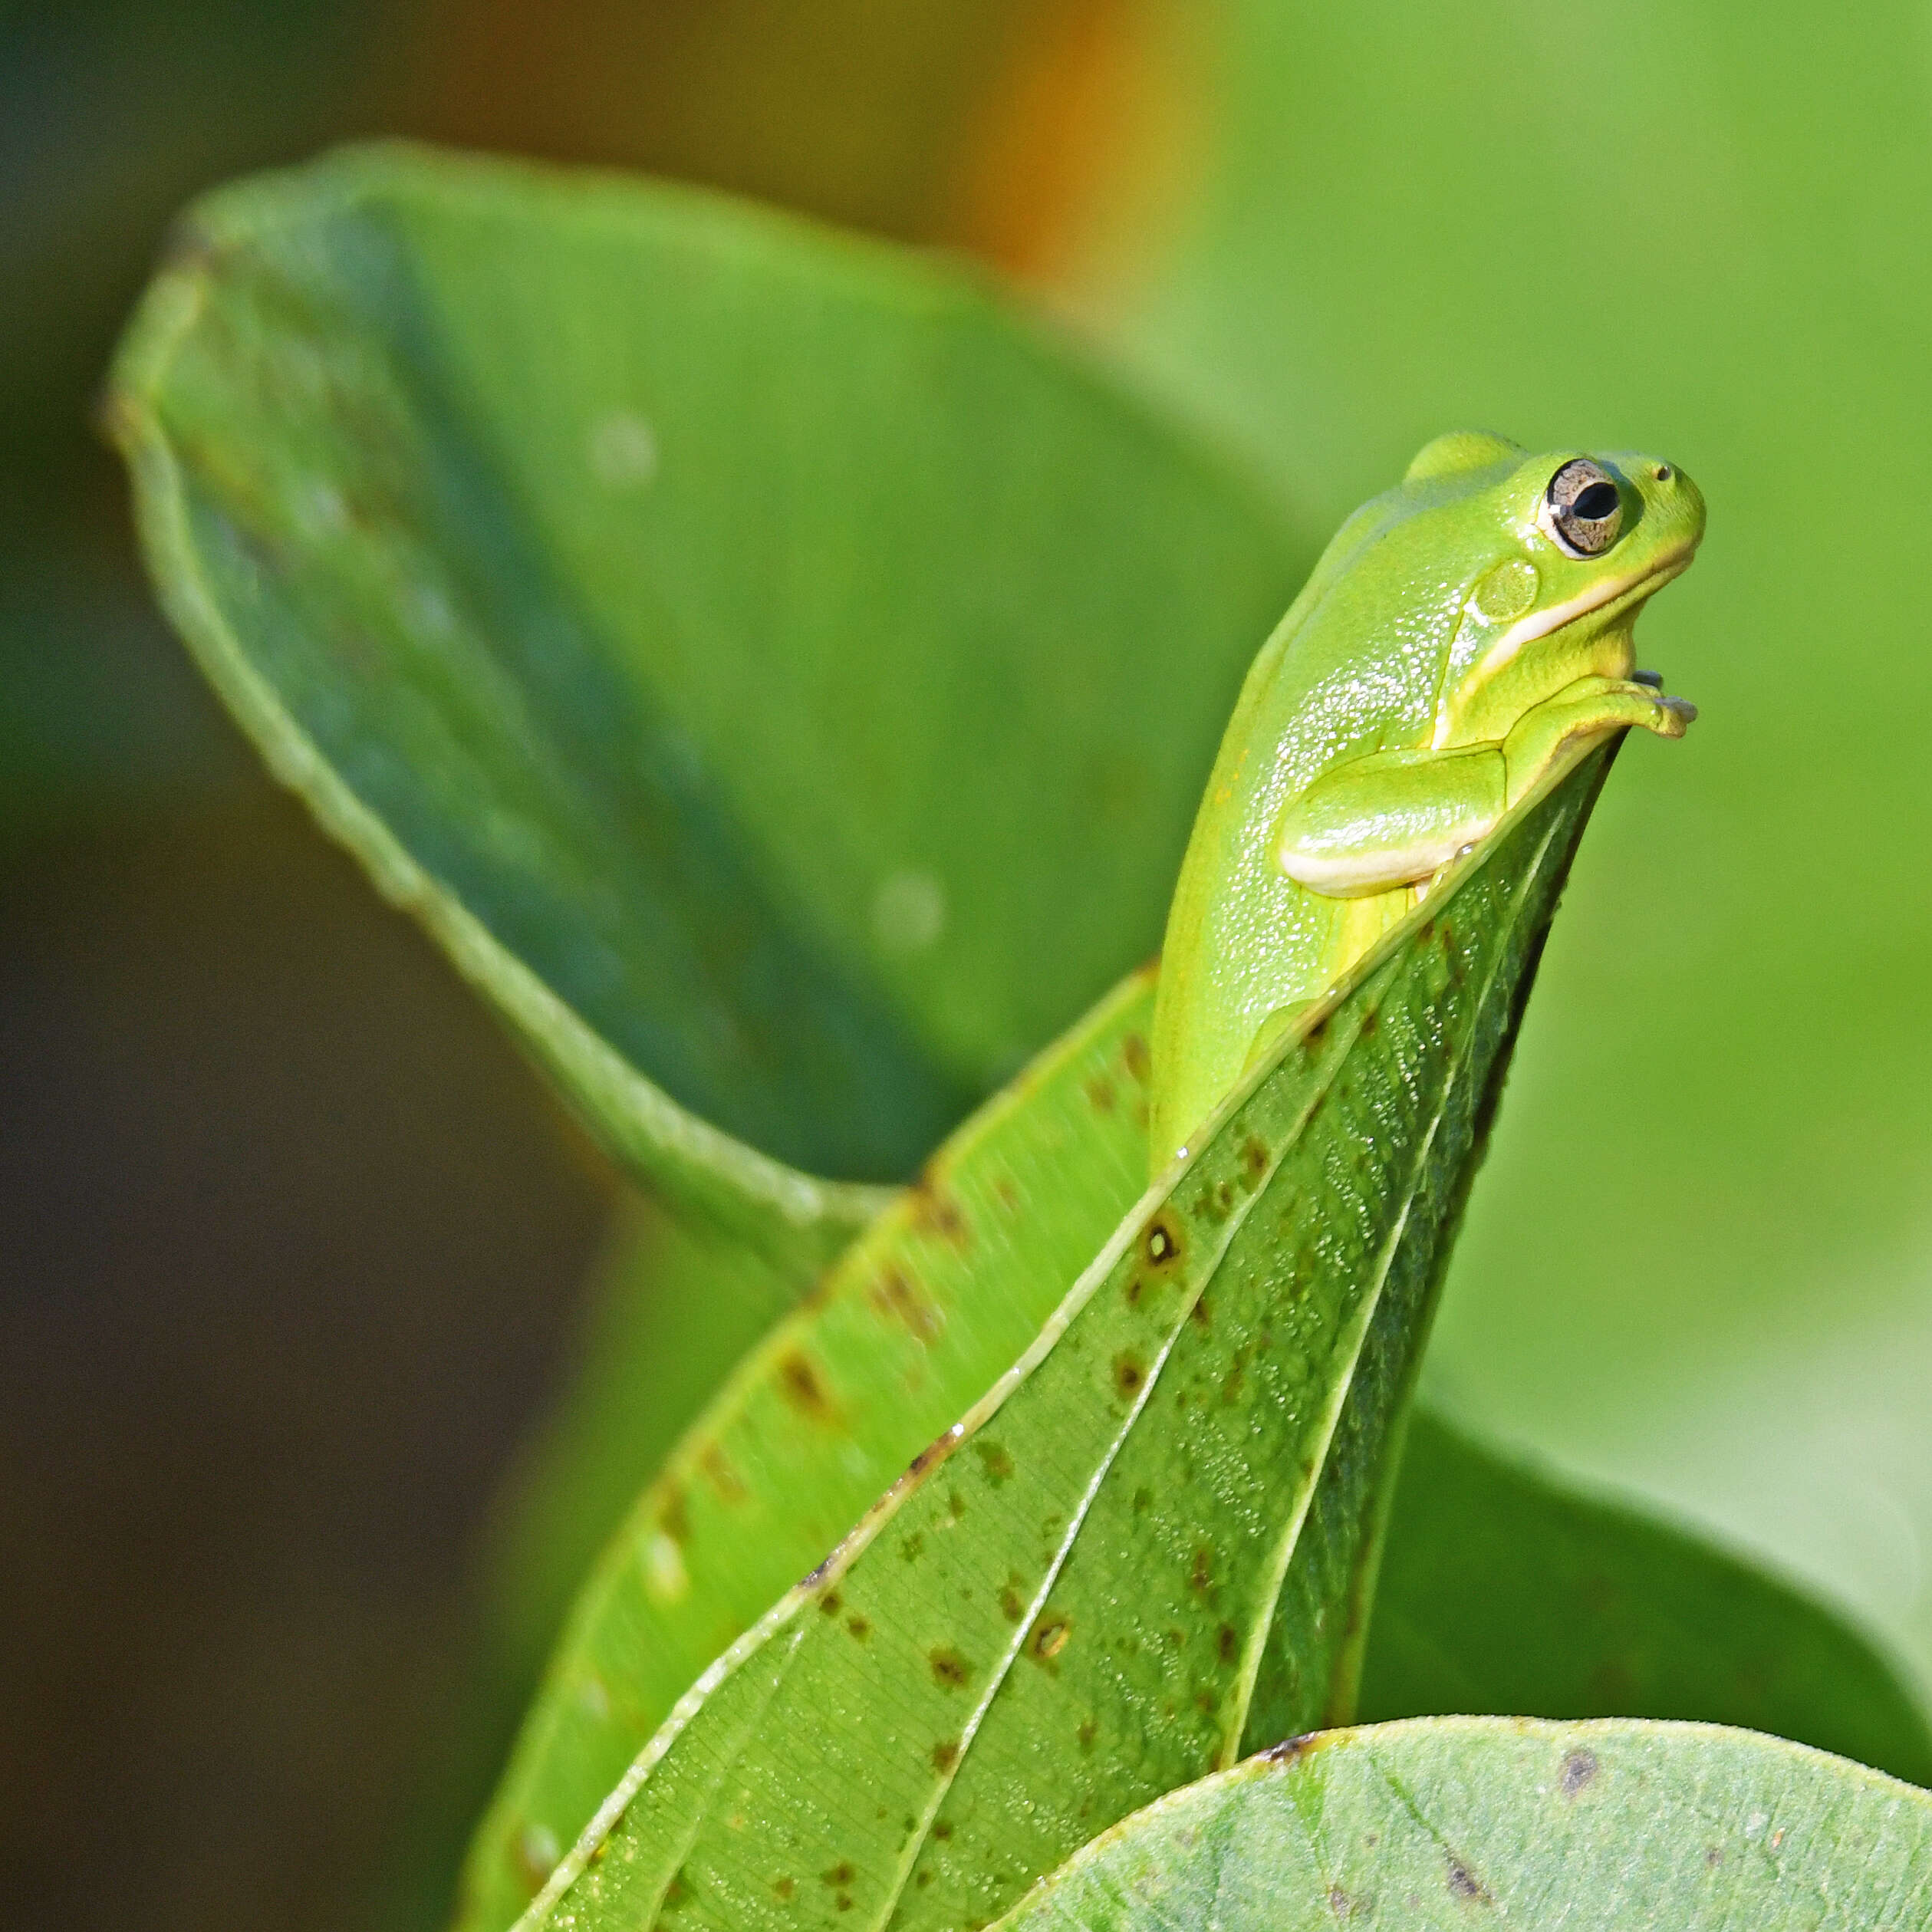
(1463, 636)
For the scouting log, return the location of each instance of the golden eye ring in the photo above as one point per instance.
(1582, 508)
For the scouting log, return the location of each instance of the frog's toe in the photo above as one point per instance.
(1653, 680)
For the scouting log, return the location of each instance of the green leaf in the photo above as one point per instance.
(1502, 1592)
(1148, 1542)
(918, 1318)
(1499, 1590)
(737, 643)
(1445, 1823)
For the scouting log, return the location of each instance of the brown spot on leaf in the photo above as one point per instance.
(1292, 1750)
(1713, 1856)
(1129, 1372)
(673, 1517)
(1464, 1884)
(894, 1294)
(910, 1546)
(1200, 1576)
(997, 1464)
(1089, 1729)
(935, 1211)
(949, 1668)
(1578, 1768)
(783, 1888)
(798, 1383)
(935, 1451)
(1162, 1242)
(858, 1626)
(841, 1873)
(945, 1754)
(1100, 1094)
(1049, 1639)
(832, 1603)
(1135, 1058)
(1227, 1643)
(1013, 1604)
(1254, 1158)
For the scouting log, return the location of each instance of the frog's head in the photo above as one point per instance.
(1553, 556)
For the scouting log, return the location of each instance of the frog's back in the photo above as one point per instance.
(1355, 666)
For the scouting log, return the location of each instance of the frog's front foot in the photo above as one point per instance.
(1654, 681)
(1580, 713)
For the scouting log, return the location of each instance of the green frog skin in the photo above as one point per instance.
(1464, 635)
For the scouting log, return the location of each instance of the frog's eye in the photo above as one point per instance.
(1582, 508)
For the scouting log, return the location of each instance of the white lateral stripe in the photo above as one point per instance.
(1346, 875)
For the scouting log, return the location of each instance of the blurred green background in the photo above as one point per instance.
(291, 1244)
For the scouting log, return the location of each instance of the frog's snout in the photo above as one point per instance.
(1674, 496)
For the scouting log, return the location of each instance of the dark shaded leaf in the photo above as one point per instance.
(736, 642)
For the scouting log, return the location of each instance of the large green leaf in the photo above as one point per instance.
(1151, 1540)
(1445, 1823)
(1501, 1592)
(918, 1318)
(738, 644)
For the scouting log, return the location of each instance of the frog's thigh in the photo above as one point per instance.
(1390, 818)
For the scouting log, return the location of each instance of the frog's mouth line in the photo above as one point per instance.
(1616, 591)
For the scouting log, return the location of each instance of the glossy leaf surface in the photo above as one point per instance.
(734, 641)
(1146, 1544)
(1447, 1822)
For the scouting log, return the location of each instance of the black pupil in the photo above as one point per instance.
(1596, 502)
